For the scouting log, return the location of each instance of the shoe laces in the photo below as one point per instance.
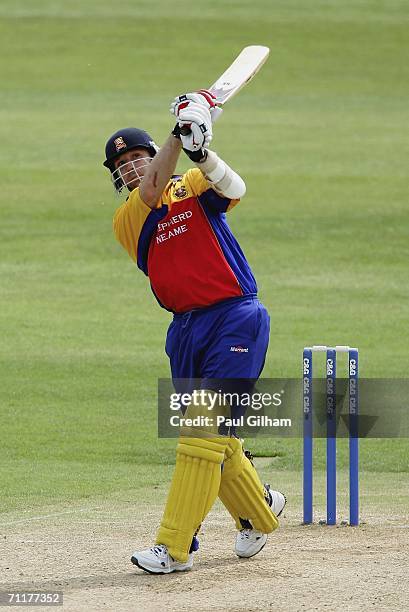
(245, 534)
(159, 550)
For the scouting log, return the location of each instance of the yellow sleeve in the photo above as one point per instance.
(197, 184)
(129, 220)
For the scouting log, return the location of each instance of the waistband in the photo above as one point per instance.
(239, 298)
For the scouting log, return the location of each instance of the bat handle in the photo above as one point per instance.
(185, 130)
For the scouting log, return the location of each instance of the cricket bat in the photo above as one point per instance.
(238, 74)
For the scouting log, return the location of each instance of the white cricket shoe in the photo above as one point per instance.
(157, 560)
(250, 542)
(277, 501)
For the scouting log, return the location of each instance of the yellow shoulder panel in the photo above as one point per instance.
(128, 222)
(198, 184)
(195, 181)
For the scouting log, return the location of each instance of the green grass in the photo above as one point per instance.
(321, 139)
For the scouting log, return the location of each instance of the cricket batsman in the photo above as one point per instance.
(174, 228)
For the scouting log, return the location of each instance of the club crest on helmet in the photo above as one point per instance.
(119, 143)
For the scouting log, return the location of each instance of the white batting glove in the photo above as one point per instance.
(202, 96)
(195, 125)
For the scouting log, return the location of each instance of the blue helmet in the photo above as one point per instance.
(122, 141)
(126, 140)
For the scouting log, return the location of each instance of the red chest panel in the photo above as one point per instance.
(186, 265)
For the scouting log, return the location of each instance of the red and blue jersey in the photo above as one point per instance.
(185, 245)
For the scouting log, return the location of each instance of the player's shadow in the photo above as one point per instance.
(119, 579)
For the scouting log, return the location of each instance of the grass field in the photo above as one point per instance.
(321, 139)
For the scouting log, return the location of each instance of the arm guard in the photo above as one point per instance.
(224, 180)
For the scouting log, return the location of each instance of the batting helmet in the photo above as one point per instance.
(126, 140)
(122, 141)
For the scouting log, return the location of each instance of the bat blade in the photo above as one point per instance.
(239, 73)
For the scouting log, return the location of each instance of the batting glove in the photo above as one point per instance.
(202, 96)
(195, 126)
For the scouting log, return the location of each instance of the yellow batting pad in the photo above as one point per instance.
(242, 492)
(194, 488)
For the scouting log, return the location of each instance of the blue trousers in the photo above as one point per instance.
(226, 341)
